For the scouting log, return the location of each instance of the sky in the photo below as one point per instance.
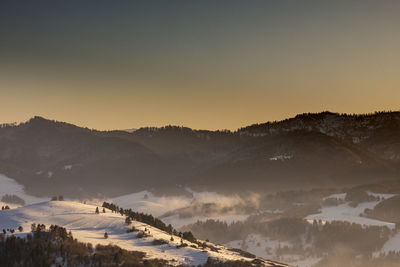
(203, 64)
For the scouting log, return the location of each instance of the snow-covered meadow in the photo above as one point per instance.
(87, 226)
(344, 212)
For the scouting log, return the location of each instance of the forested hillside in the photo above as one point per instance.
(310, 150)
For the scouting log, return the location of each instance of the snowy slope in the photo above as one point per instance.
(87, 226)
(11, 187)
(393, 244)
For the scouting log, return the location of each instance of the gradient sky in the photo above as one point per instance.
(202, 64)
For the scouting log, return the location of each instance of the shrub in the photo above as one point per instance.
(159, 242)
(183, 245)
(133, 229)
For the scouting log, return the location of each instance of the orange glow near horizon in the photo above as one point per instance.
(210, 66)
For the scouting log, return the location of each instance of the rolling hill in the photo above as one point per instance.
(89, 227)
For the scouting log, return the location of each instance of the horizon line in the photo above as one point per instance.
(199, 129)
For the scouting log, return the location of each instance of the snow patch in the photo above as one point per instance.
(344, 212)
(381, 195)
(281, 157)
(340, 196)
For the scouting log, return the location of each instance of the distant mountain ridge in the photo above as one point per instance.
(378, 132)
(309, 150)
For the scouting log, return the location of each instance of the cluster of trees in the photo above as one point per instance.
(57, 198)
(166, 129)
(313, 118)
(13, 199)
(345, 257)
(218, 231)
(364, 240)
(140, 217)
(217, 263)
(97, 210)
(387, 210)
(55, 246)
(295, 203)
(4, 125)
(6, 207)
(288, 229)
(148, 219)
(356, 196)
(41, 247)
(331, 201)
(11, 231)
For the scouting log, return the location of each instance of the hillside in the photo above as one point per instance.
(378, 132)
(309, 150)
(89, 227)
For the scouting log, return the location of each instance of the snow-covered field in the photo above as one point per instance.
(11, 187)
(87, 226)
(344, 212)
(339, 196)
